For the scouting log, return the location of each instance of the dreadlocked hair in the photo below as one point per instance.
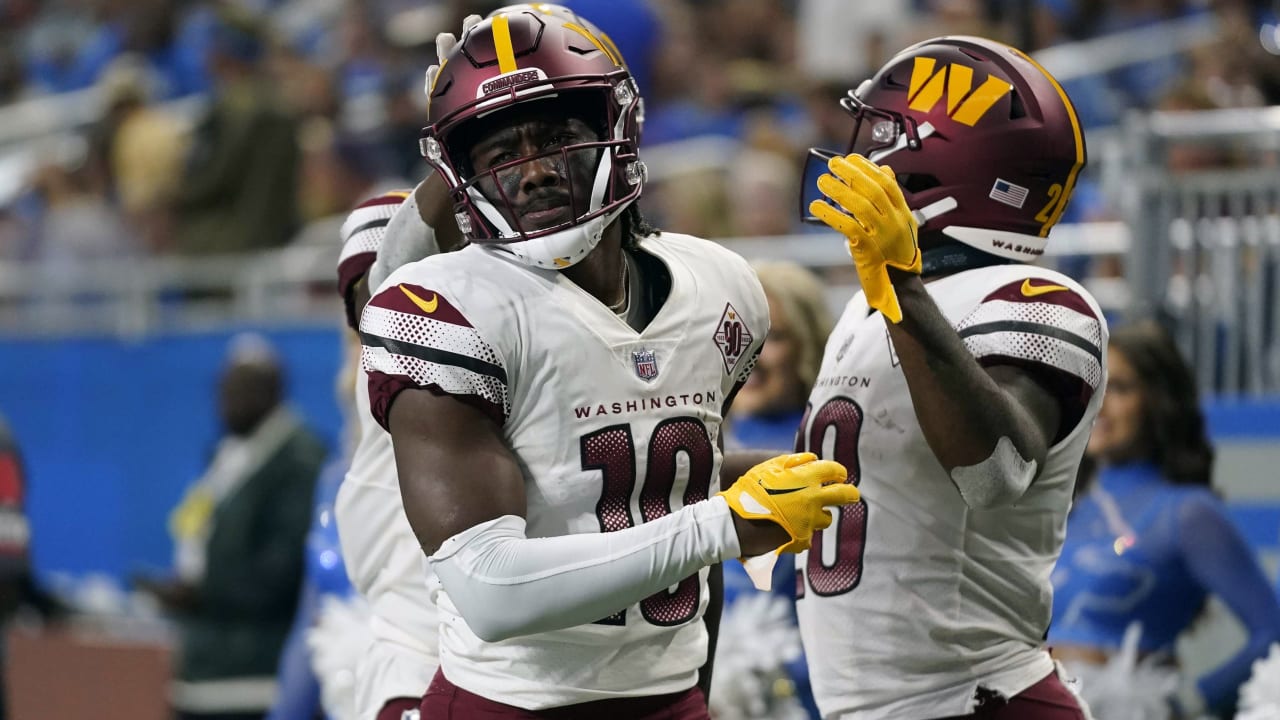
(634, 227)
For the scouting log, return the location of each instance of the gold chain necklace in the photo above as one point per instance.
(622, 306)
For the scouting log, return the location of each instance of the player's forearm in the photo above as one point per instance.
(505, 584)
(963, 412)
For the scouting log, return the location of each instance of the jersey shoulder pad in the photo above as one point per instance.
(418, 333)
(362, 234)
(1037, 316)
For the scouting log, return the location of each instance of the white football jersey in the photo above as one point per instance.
(911, 601)
(386, 565)
(612, 428)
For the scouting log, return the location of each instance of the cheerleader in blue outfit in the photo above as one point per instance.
(1147, 543)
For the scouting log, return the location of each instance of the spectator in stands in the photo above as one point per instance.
(839, 40)
(1148, 543)
(78, 226)
(71, 54)
(339, 170)
(239, 534)
(765, 415)
(762, 203)
(240, 188)
(142, 150)
(767, 410)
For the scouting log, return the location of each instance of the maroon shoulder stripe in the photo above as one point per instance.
(384, 388)
(353, 268)
(417, 300)
(1040, 290)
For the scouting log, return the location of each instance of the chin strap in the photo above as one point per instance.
(951, 257)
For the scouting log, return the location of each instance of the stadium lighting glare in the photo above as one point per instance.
(1269, 35)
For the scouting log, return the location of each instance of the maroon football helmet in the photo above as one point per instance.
(515, 59)
(984, 142)
(566, 14)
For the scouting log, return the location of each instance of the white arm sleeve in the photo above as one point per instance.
(505, 584)
(999, 480)
(407, 239)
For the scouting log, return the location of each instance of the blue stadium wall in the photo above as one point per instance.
(112, 431)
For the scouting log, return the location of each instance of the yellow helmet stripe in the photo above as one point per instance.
(922, 72)
(612, 47)
(432, 90)
(1077, 132)
(977, 104)
(588, 35)
(502, 45)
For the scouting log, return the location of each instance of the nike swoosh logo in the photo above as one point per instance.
(772, 491)
(1029, 290)
(427, 306)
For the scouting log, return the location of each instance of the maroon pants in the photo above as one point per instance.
(1048, 699)
(446, 701)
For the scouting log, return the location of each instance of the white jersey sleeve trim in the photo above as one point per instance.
(452, 357)
(365, 227)
(1052, 335)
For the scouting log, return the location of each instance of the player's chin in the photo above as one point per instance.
(535, 220)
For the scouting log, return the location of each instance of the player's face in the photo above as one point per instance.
(774, 387)
(528, 175)
(1117, 435)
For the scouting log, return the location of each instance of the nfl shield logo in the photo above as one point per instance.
(646, 364)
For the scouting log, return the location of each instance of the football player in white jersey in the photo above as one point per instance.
(384, 558)
(555, 392)
(958, 388)
(381, 554)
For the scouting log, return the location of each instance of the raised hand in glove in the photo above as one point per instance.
(791, 491)
(874, 217)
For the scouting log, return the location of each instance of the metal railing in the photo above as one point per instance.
(1199, 247)
(1206, 242)
(136, 296)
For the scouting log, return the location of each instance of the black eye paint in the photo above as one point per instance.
(509, 179)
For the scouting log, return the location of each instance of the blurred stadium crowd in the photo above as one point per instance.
(236, 126)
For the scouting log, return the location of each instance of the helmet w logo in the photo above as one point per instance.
(964, 104)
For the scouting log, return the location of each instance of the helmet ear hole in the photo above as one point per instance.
(891, 80)
(1017, 109)
(918, 182)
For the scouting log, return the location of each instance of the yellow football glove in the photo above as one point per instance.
(792, 491)
(874, 218)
